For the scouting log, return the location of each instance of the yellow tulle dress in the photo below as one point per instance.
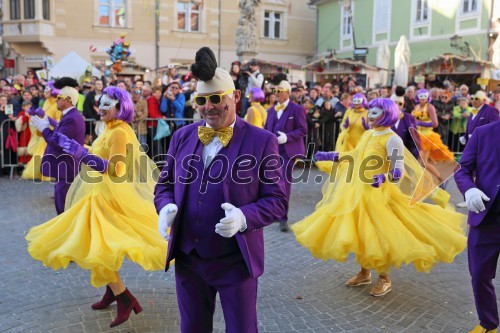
(259, 115)
(383, 227)
(350, 136)
(37, 144)
(430, 140)
(108, 216)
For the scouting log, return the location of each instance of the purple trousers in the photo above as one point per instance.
(198, 281)
(286, 172)
(483, 249)
(60, 190)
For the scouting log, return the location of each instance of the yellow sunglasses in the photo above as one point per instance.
(62, 97)
(215, 99)
(277, 91)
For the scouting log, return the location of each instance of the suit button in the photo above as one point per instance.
(199, 202)
(196, 240)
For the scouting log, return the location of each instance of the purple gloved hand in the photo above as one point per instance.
(395, 175)
(425, 124)
(378, 180)
(36, 112)
(346, 123)
(365, 125)
(71, 147)
(327, 156)
(80, 153)
(60, 138)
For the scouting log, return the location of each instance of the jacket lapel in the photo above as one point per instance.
(189, 149)
(233, 152)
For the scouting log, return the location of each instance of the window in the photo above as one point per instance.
(382, 16)
(29, 9)
(46, 9)
(422, 11)
(189, 16)
(469, 6)
(15, 9)
(346, 21)
(112, 13)
(273, 25)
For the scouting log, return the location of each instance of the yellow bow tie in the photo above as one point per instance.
(279, 107)
(206, 134)
(474, 110)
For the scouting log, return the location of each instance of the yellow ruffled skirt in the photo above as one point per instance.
(104, 223)
(36, 149)
(383, 230)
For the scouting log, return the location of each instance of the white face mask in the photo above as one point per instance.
(375, 113)
(107, 103)
(357, 100)
(423, 96)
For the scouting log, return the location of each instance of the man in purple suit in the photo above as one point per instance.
(56, 163)
(482, 114)
(479, 180)
(220, 186)
(287, 121)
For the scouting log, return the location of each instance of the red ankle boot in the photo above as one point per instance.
(126, 303)
(106, 300)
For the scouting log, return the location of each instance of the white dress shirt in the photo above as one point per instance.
(280, 112)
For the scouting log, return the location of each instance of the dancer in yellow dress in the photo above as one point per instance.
(373, 208)
(433, 149)
(37, 144)
(256, 114)
(354, 124)
(109, 213)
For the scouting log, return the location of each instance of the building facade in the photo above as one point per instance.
(466, 28)
(175, 30)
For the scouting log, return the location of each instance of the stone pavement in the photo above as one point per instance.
(297, 292)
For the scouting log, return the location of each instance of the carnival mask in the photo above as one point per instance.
(357, 100)
(423, 96)
(375, 113)
(106, 103)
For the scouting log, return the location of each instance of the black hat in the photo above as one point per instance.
(253, 62)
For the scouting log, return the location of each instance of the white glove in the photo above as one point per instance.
(40, 123)
(474, 198)
(282, 138)
(233, 222)
(462, 140)
(166, 219)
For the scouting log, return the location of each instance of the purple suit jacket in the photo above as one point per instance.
(262, 203)
(486, 115)
(293, 123)
(481, 158)
(55, 162)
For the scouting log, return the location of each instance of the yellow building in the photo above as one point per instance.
(37, 29)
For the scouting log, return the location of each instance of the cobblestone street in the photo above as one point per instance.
(297, 292)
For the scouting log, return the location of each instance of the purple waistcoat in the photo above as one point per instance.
(197, 230)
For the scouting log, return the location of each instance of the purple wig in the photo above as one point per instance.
(125, 106)
(364, 104)
(391, 111)
(423, 91)
(53, 90)
(257, 95)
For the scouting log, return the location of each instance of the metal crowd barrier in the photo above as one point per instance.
(323, 138)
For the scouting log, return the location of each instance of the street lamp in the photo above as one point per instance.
(455, 42)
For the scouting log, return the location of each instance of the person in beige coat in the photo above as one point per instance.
(140, 113)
